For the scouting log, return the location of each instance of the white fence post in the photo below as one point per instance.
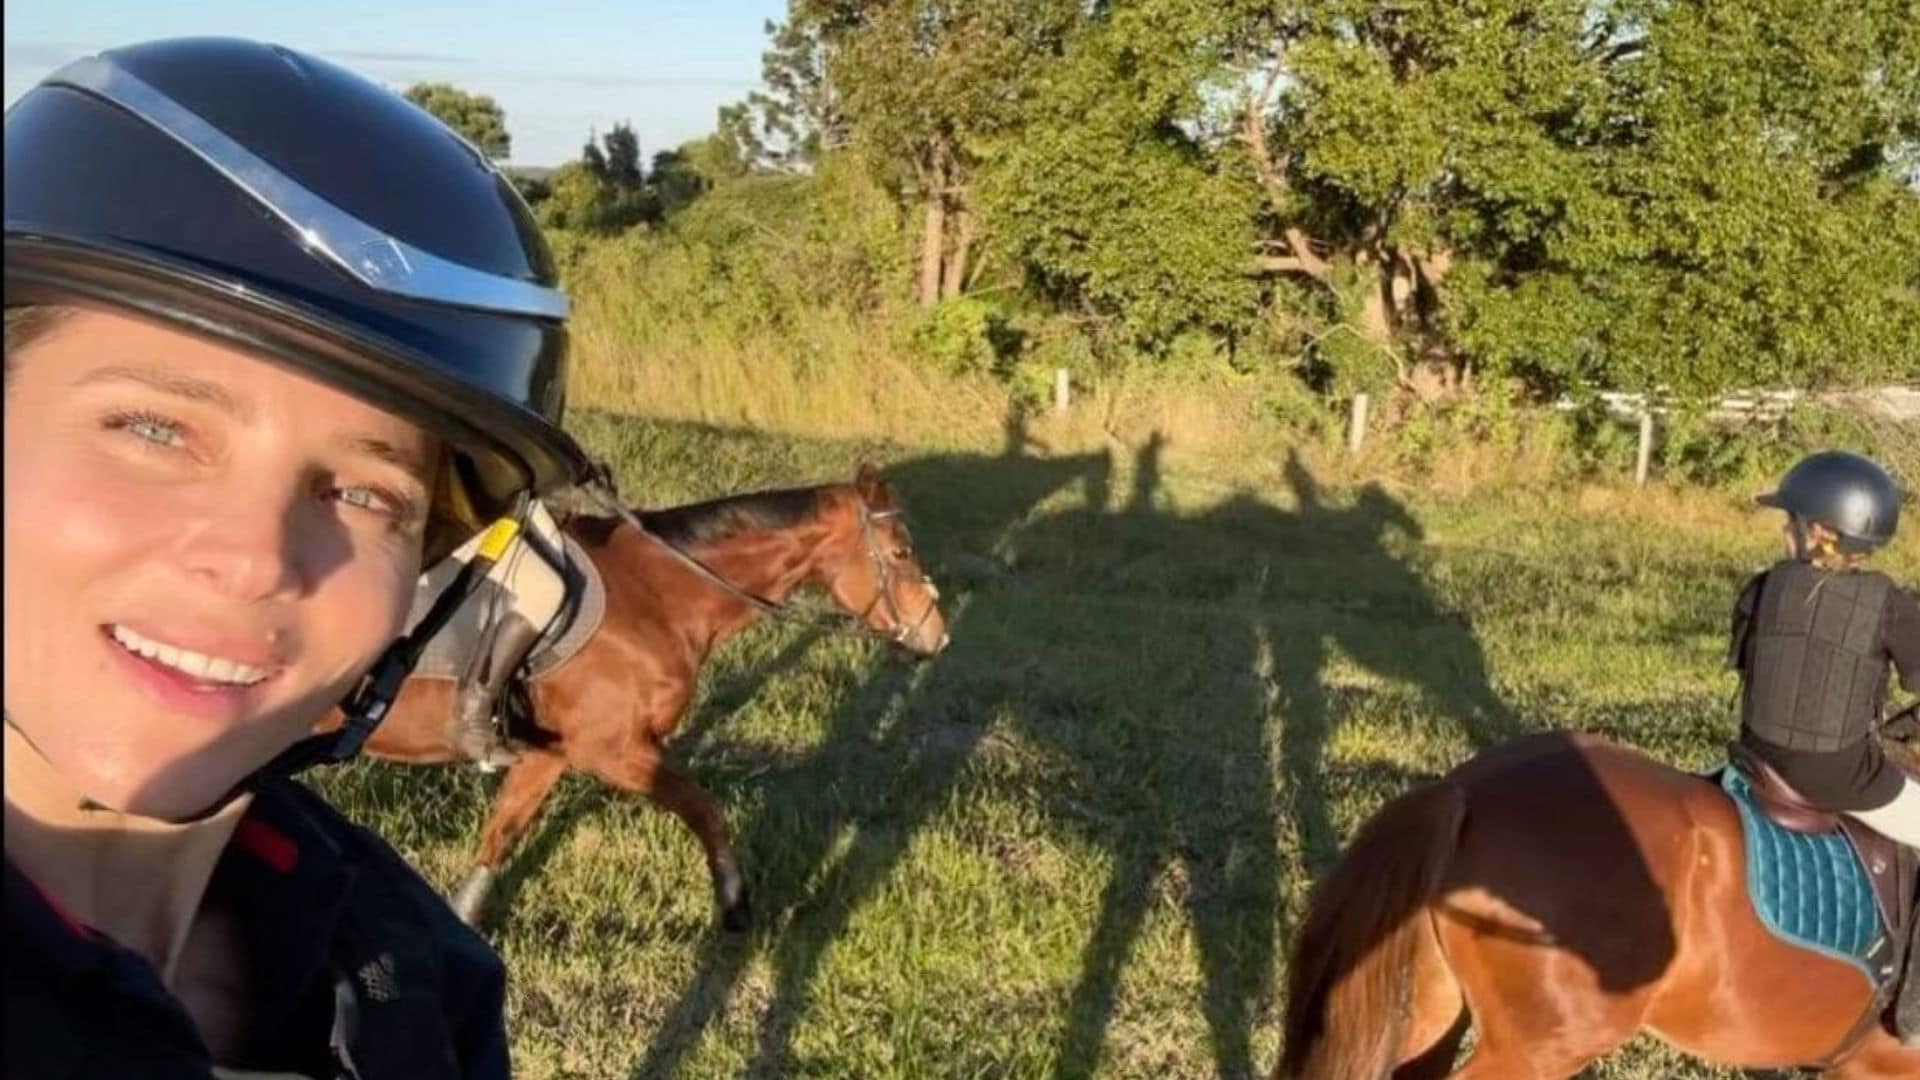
(1645, 457)
(1062, 390)
(1357, 425)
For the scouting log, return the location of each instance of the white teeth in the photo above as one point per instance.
(198, 665)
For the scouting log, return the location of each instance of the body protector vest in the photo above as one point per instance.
(1813, 663)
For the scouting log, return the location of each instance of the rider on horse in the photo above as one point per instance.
(525, 591)
(1813, 637)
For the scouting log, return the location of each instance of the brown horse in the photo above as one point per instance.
(607, 709)
(1561, 894)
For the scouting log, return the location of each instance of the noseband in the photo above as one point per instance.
(903, 631)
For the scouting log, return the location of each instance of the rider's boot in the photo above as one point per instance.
(475, 735)
(1906, 1008)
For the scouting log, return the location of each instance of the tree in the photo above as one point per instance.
(1635, 193)
(534, 189)
(1115, 196)
(680, 176)
(621, 162)
(1683, 194)
(924, 90)
(800, 118)
(605, 191)
(476, 117)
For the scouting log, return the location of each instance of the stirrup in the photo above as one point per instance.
(483, 746)
(496, 757)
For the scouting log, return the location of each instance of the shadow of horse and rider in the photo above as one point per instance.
(1177, 671)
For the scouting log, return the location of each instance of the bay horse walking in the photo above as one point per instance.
(607, 709)
(1561, 894)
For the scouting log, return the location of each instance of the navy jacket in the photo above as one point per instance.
(359, 969)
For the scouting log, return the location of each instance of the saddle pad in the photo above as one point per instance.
(1808, 888)
(586, 608)
(449, 653)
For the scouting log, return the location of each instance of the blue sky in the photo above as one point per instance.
(558, 68)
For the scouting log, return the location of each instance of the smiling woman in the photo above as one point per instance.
(242, 409)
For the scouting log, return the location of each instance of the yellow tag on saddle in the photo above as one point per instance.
(499, 537)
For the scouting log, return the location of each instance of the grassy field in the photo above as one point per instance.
(1076, 843)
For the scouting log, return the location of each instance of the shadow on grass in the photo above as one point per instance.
(1177, 664)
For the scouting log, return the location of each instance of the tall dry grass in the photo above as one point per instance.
(679, 330)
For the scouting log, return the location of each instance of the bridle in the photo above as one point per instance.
(902, 631)
(883, 569)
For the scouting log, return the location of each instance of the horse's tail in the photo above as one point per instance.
(1352, 960)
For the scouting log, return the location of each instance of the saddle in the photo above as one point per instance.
(449, 654)
(1889, 867)
(1892, 871)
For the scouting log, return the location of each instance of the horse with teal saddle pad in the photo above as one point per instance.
(1811, 888)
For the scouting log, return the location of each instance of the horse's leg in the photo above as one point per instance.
(1437, 1013)
(1529, 1036)
(1539, 1007)
(523, 791)
(1879, 1057)
(644, 771)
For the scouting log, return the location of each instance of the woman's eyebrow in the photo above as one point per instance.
(211, 393)
(168, 382)
(389, 453)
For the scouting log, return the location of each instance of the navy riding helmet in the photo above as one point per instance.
(286, 204)
(1847, 493)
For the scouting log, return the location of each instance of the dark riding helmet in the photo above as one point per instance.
(1847, 493)
(283, 203)
(288, 206)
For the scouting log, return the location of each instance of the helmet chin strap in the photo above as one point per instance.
(367, 706)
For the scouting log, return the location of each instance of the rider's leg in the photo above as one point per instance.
(1906, 1010)
(535, 592)
(1900, 819)
(473, 733)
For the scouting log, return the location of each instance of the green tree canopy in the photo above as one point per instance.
(1689, 194)
(477, 117)
(604, 191)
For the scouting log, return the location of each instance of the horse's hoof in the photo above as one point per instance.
(737, 916)
(472, 894)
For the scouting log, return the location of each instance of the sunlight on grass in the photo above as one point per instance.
(1076, 842)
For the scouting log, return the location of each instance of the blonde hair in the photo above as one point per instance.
(29, 323)
(1823, 550)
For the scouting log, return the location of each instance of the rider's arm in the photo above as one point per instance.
(1903, 636)
(1744, 609)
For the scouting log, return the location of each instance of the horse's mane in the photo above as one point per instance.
(718, 519)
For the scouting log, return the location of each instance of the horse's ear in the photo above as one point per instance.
(866, 480)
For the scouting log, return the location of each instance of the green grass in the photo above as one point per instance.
(1076, 843)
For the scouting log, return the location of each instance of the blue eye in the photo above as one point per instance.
(150, 428)
(377, 500)
(366, 498)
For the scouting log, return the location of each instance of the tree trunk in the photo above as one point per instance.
(931, 246)
(954, 277)
(1400, 284)
(933, 243)
(1300, 258)
(1377, 312)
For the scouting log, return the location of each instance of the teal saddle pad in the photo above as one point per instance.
(1808, 888)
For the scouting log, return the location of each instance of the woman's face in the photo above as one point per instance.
(204, 551)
